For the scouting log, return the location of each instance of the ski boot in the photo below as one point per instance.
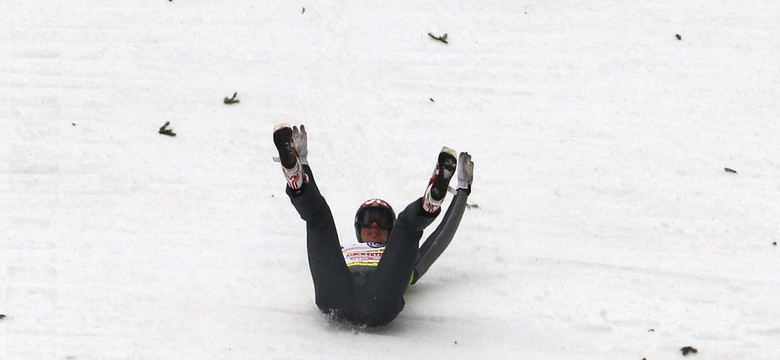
(440, 180)
(288, 156)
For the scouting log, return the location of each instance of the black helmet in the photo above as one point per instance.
(371, 211)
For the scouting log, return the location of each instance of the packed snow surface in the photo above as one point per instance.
(603, 225)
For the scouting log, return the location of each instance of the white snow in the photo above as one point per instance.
(607, 227)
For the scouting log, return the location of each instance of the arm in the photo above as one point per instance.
(438, 241)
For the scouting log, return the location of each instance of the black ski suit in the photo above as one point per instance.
(374, 297)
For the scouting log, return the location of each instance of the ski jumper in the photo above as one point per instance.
(365, 283)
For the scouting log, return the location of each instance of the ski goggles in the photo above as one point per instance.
(381, 216)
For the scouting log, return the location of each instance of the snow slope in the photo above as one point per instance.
(606, 226)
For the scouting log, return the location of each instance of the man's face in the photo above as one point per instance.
(373, 233)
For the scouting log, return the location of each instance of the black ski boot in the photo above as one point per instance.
(440, 180)
(288, 156)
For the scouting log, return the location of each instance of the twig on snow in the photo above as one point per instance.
(165, 131)
(232, 100)
(442, 38)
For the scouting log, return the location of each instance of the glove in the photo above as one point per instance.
(465, 172)
(299, 142)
